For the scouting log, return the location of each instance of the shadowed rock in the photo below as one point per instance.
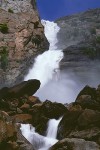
(87, 91)
(75, 144)
(25, 88)
(68, 123)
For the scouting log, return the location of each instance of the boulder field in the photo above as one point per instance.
(79, 128)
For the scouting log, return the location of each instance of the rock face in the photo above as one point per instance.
(21, 39)
(79, 37)
(78, 28)
(18, 6)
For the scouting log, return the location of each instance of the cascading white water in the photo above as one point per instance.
(40, 142)
(47, 63)
(52, 128)
(55, 86)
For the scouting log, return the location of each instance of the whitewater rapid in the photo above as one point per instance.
(38, 141)
(47, 64)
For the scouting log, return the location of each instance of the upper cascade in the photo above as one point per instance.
(51, 29)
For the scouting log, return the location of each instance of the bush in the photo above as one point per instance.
(10, 10)
(4, 28)
(4, 58)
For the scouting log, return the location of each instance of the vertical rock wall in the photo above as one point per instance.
(21, 39)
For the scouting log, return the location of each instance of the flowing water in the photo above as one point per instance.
(55, 85)
(47, 63)
(38, 141)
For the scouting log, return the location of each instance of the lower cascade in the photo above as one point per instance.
(38, 141)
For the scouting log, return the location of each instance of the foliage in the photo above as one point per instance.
(4, 28)
(10, 10)
(4, 58)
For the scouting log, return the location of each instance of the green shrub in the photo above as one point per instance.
(10, 10)
(4, 58)
(4, 28)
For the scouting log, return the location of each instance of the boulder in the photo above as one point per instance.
(39, 121)
(68, 123)
(42, 126)
(24, 88)
(53, 110)
(87, 90)
(33, 100)
(25, 108)
(22, 118)
(7, 131)
(92, 133)
(75, 144)
(86, 101)
(36, 113)
(89, 118)
(74, 107)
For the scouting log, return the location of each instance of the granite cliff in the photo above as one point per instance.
(21, 39)
(79, 37)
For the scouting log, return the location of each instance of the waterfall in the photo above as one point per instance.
(38, 141)
(55, 85)
(52, 128)
(47, 63)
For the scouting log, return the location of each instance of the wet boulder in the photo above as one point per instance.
(53, 110)
(68, 123)
(75, 144)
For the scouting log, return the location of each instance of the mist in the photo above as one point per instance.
(60, 84)
(62, 88)
(66, 84)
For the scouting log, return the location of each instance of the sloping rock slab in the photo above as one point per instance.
(24, 88)
(75, 144)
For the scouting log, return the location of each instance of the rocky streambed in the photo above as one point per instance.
(79, 128)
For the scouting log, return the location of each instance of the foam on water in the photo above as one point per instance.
(38, 141)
